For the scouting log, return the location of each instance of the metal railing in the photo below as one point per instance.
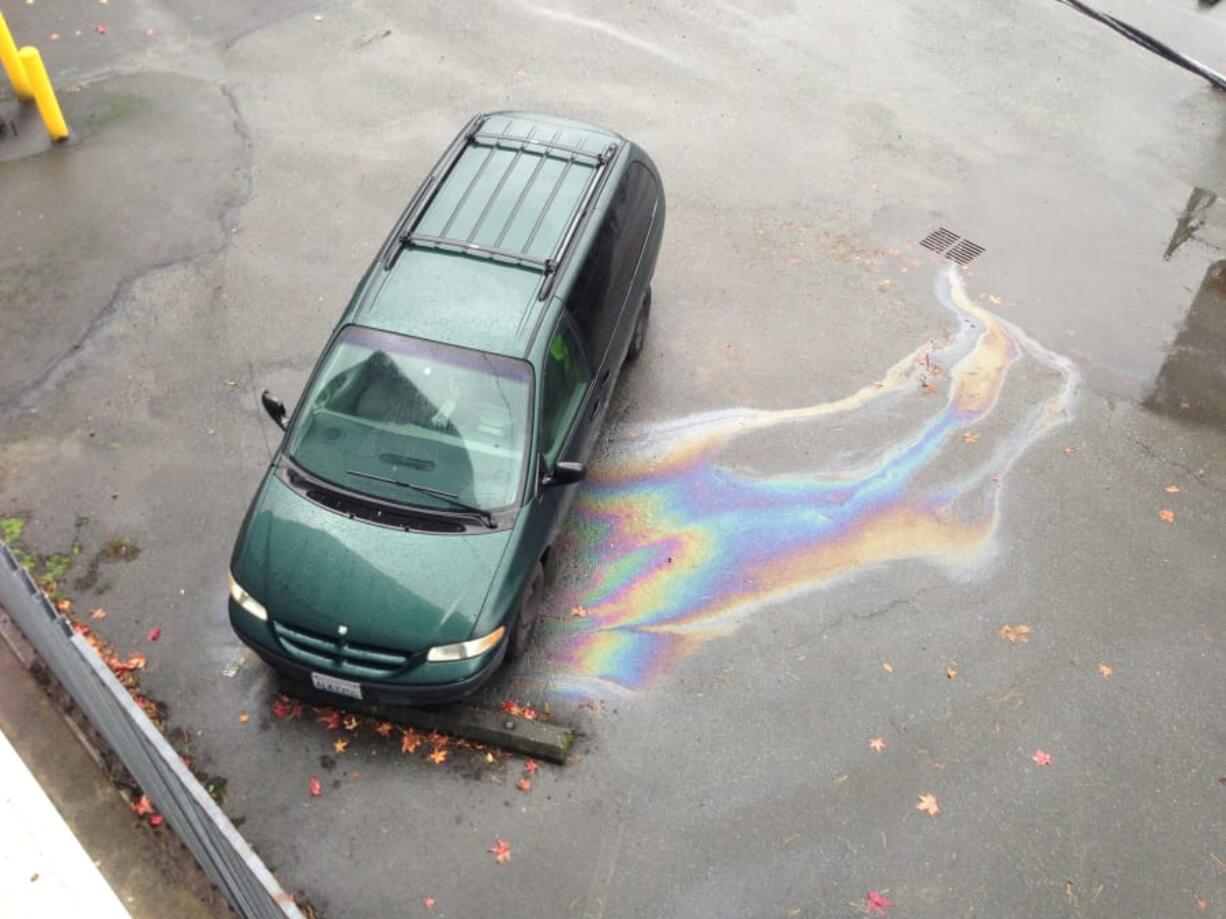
(225, 856)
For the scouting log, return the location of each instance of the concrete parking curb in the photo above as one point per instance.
(536, 739)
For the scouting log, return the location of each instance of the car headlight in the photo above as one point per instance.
(465, 649)
(246, 601)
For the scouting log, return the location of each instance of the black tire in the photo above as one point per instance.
(639, 338)
(527, 615)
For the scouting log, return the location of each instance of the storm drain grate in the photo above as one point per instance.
(952, 246)
(8, 129)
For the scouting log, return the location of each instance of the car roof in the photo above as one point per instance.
(493, 222)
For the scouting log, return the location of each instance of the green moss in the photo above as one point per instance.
(11, 529)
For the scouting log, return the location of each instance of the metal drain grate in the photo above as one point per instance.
(952, 246)
(8, 129)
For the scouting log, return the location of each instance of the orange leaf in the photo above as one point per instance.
(1105, 670)
(142, 806)
(511, 707)
(878, 744)
(1167, 515)
(528, 713)
(316, 788)
(524, 784)
(1043, 759)
(244, 718)
(888, 668)
(579, 612)
(501, 850)
(970, 437)
(99, 613)
(530, 766)
(1172, 489)
(410, 740)
(352, 722)
(950, 672)
(136, 661)
(383, 728)
(340, 745)
(1015, 633)
(438, 757)
(1069, 451)
(928, 804)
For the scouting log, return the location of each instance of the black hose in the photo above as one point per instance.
(1150, 43)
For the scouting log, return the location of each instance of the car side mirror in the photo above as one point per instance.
(564, 474)
(275, 408)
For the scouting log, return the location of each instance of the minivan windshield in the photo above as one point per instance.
(386, 409)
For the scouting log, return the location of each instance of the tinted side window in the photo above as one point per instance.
(564, 382)
(597, 298)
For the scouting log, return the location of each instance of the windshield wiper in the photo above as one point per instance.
(485, 516)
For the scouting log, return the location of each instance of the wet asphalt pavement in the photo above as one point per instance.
(837, 474)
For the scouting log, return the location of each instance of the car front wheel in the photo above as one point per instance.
(528, 614)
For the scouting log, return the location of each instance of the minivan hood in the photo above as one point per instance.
(319, 570)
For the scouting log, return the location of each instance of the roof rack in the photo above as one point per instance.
(545, 149)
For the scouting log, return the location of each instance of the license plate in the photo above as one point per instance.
(333, 684)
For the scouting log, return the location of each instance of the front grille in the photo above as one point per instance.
(338, 654)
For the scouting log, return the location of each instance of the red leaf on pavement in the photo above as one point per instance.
(531, 765)
(528, 713)
(101, 30)
(1167, 515)
(142, 806)
(316, 788)
(501, 850)
(156, 820)
(877, 903)
(928, 804)
(427, 902)
(155, 634)
(329, 718)
(281, 707)
(524, 784)
(1043, 759)
(511, 707)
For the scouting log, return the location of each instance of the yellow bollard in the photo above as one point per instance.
(44, 95)
(12, 63)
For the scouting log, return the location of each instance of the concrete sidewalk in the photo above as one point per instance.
(65, 824)
(43, 868)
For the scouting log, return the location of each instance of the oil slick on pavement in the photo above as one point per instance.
(678, 547)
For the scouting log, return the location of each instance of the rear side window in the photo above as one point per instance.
(566, 378)
(599, 295)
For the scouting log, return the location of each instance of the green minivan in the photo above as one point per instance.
(395, 549)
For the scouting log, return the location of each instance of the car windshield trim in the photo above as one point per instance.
(497, 367)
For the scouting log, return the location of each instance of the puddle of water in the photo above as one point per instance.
(1191, 386)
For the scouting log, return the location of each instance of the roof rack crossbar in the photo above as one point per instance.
(553, 193)
(467, 191)
(497, 189)
(470, 248)
(548, 145)
(523, 194)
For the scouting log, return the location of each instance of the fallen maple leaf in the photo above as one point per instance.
(142, 806)
(531, 765)
(876, 903)
(435, 739)
(156, 819)
(316, 788)
(427, 902)
(99, 613)
(384, 728)
(1172, 489)
(950, 672)
(1041, 758)
(1167, 515)
(510, 706)
(888, 668)
(410, 740)
(329, 718)
(579, 612)
(438, 757)
(928, 804)
(101, 30)
(927, 388)
(244, 718)
(528, 712)
(878, 744)
(524, 784)
(136, 661)
(501, 850)
(1105, 670)
(155, 634)
(970, 437)
(340, 745)
(283, 707)
(1069, 451)
(1015, 633)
